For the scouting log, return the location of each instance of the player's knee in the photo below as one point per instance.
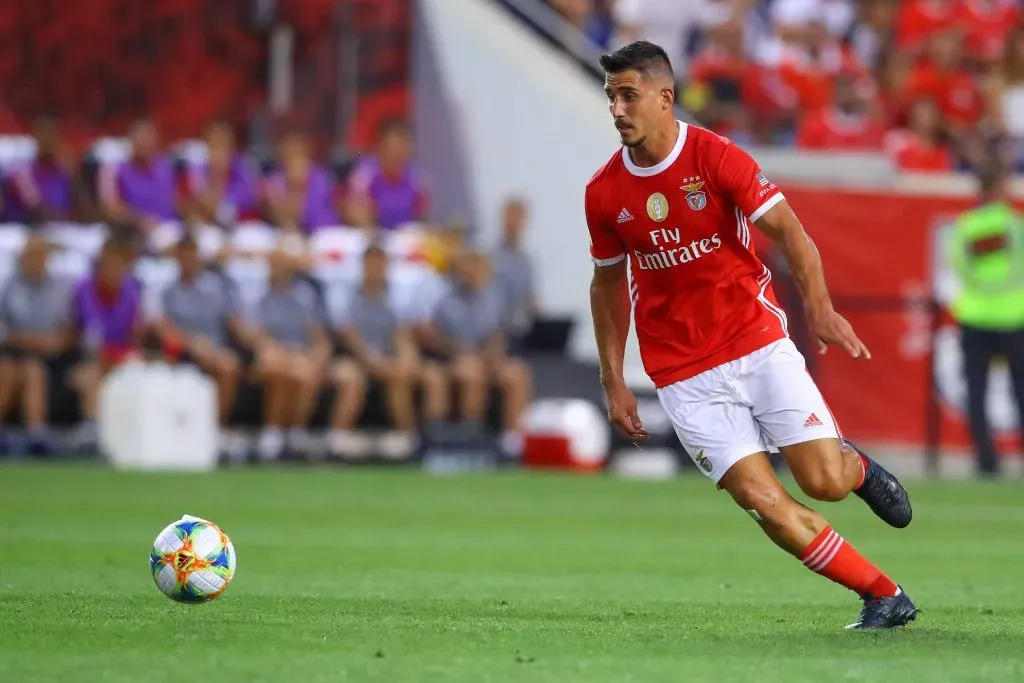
(469, 369)
(228, 366)
(514, 375)
(825, 484)
(764, 502)
(348, 376)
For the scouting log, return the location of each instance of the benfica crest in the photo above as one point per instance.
(696, 198)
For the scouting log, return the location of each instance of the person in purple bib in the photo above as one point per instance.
(43, 190)
(107, 313)
(301, 195)
(397, 190)
(142, 190)
(223, 190)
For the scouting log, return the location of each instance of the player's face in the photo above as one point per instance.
(188, 260)
(375, 268)
(636, 105)
(145, 139)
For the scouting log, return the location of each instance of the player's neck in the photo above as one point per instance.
(656, 147)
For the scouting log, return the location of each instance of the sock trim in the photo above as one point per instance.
(825, 551)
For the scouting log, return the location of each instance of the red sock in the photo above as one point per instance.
(863, 470)
(831, 556)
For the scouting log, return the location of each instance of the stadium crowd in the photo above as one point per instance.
(938, 85)
(204, 256)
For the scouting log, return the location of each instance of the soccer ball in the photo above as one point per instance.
(192, 560)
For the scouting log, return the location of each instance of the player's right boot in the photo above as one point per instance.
(889, 612)
(883, 493)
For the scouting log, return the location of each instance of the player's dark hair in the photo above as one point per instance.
(642, 56)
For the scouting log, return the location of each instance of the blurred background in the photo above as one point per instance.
(362, 220)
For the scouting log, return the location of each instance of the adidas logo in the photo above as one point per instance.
(813, 421)
(624, 216)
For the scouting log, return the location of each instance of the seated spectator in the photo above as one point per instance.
(792, 18)
(722, 80)
(809, 68)
(34, 315)
(465, 335)
(223, 190)
(299, 196)
(941, 77)
(875, 31)
(847, 124)
(142, 190)
(893, 76)
(921, 147)
(382, 347)
(1005, 96)
(106, 315)
(514, 275)
(987, 25)
(45, 189)
(199, 316)
(665, 22)
(397, 189)
(919, 20)
(292, 356)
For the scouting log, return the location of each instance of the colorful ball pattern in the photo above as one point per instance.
(192, 560)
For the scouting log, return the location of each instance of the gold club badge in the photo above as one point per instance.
(657, 207)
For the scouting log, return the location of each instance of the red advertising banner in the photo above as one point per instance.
(883, 260)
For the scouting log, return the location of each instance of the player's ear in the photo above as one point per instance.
(668, 98)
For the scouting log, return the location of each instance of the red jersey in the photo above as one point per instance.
(832, 129)
(912, 153)
(954, 91)
(987, 24)
(700, 295)
(920, 19)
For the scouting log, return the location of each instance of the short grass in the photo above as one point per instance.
(397, 576)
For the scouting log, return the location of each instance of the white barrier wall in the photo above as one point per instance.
(531, 124)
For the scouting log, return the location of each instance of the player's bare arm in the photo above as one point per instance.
(610, 308)
(781, 224)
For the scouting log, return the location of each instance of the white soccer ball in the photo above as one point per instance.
(192, 560)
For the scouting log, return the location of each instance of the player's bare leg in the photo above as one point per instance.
(271, 372)
(830, 469)
(470, 374)
(398, 388)
(805, 534)
(350, 384)
(513, 378)
(436, 393)
(226, 372)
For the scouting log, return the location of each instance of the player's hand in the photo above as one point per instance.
(622, 411)
(831, 328)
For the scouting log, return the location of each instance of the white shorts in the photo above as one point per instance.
(760, 402)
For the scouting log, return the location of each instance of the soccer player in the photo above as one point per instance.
(677, 203)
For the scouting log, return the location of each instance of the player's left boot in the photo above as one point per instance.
(884, 493)
(888, 612)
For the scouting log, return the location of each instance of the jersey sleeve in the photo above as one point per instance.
(745, 184)
(606, 247)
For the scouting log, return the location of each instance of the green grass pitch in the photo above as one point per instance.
(397, 576)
